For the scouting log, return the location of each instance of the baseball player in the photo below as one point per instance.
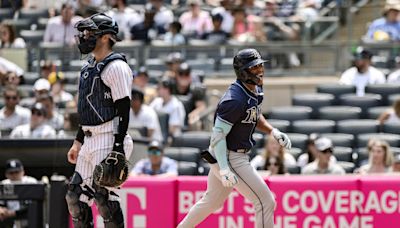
(238, 114)
(101, 141)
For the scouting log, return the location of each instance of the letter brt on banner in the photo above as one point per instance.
(302, 201)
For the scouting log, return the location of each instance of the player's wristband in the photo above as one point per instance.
(80, 135)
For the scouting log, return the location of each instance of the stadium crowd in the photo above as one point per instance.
(172, 105)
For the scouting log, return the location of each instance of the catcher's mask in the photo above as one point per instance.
(243, 61)
(90, 29)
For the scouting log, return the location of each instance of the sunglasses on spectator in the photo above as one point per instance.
(329, 150)
(37, 113)
(11, 97)
(154, 152)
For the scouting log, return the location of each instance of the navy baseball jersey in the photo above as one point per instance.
(95, 103)
(240, 108)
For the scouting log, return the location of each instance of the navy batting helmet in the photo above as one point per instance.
(245, 59)
(99, 23)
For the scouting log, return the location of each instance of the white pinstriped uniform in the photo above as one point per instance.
(118, 76)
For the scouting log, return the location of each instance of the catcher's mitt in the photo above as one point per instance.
(112, 171)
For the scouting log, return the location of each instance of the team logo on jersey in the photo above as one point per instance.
(252, 116)
(107, 95)
(85, 75)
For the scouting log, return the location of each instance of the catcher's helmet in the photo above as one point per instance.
(99, 23)
(245, 59)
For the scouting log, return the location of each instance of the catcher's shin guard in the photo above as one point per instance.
(81, 212)
(109, 210)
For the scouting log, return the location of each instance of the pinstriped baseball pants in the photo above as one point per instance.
(251, 185)
(93, 151)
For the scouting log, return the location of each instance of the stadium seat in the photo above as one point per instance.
(337, 113)
(202, 49)
(33, 15)
(356, 127)
(155, 64)
(364, 102)
(391, 128)
(20, 24)
(314, 101)
(32, 37)
(226, 65)
(340, 139)
(385, 90)
(391, 139)
(30, 77)
(298, 140)
(347, 166)
(290, 113)
(313, 126)
(295, 152)
(203, 168)
(336, 90)
(282, 125)
(163, 118)
(76, 64)
(205, 65)
(375, 112)
(188, 154)
(187, 168)
(6, 13)
(393, 97)
(343, 153)
(293, 169)
(197, 139)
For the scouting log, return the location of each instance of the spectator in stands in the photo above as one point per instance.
(168, 103)
(164, 16)
(396, 164)
(323, 164)
(272, 148)
(125, 17)
(60, 29)
(380, 158)
(46, 68)
(174, 35)
(156, 164)
(143, 118)
(59, 95)
(173, 61)
(10, 73)
(147, 30)
(274, 165)
(13, 213)
(225, 11)
(217, 35)
(37, 128)
(12, 4)
(192, 94)
(252, 7)
(247, 28)
(141, 81)
(41, 87)
(8, 38)
(195, 22)
(53, 117)
(362, 73)
(391, 115)
(12, 114)
(386, 28)
(394, 77)
(311, 152)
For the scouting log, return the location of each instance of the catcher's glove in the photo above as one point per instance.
(112, 171)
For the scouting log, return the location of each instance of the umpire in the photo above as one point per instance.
(101, 143)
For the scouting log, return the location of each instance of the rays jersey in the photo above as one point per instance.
(240, 108)
(95, 103)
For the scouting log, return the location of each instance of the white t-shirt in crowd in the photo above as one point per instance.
(303, 160)
(394, 77)
(20, 116)
(24, 131)
(174, 108)
(125, 20)
(352, 77)
(259, 161)
(148, 118)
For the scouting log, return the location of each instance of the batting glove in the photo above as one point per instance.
(282, 138)
(228, 178)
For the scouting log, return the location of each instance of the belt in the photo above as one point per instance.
(88, 133)
(242, 150)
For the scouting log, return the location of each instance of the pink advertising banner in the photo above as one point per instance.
(146, 202)
(302, 201)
